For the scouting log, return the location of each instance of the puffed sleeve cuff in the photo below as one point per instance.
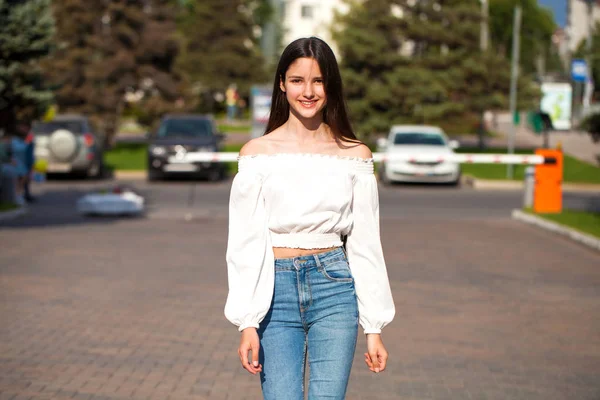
(372, 330)
(248, 325)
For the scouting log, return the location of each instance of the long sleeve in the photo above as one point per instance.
(250, 260)
(365, 255)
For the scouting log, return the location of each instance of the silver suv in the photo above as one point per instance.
(69, 145)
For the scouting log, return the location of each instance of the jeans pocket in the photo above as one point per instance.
(338, 271)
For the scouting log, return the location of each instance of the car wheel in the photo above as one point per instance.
(457, 182)
(215, 175)
(153, 175)
(383, 177)
(63, 145)
(95, 170)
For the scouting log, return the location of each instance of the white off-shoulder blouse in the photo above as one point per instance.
(306, 201)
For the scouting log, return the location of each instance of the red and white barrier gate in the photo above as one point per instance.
(379, 157)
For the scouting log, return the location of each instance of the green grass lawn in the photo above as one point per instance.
(583, 221)
(126, 157)
(8, 207)
(226, 128)
(131, 157)
(575, 171)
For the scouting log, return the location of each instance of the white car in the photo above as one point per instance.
(406, 144)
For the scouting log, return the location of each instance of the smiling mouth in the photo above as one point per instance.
(308, 103)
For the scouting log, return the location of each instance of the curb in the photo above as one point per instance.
(135, 174)
(573, 234)
(12, 214)
(485, 184)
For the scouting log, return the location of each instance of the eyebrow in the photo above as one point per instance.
(301, 77)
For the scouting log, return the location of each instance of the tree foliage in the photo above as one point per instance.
(220, 45)
(109, 48)
(537, 28)
(26, 29)
(419, 62)
(594, 57)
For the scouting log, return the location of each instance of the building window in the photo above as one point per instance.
(307, 11)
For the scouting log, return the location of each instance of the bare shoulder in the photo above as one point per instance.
(357, 149)
(254, 146)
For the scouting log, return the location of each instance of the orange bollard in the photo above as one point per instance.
(547, 196)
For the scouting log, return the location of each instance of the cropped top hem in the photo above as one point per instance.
(305, 240)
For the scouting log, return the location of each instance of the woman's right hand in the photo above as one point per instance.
(250, 342)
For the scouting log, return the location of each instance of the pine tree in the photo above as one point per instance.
(26, 29)
(419, 62)
(220, 46)
(109, 48)
(369, 42)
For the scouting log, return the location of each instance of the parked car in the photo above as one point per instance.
(414, 140)
(69, 144)
(178, 135)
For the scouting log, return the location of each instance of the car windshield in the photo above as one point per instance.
(184, 128)
(419, 138)
(49, 127)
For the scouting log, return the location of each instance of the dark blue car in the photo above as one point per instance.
(178, 135)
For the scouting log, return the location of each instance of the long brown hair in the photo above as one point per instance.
(335, 114)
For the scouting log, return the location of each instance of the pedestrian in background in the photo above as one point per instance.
(8, 175)
(29, 161)
(231, 101)
(19, 149)
(304, 256)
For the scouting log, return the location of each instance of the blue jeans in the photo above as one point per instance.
(314, 309)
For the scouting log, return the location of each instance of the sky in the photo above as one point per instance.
(559, 7)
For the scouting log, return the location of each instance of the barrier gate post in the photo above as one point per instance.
(548, 182)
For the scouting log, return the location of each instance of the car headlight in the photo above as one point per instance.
(158, 150)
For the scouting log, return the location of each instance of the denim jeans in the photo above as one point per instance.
(314, 310)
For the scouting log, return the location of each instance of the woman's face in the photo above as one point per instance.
(304, 88)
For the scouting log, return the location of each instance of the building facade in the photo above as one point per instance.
(300, 18)
(578, 21)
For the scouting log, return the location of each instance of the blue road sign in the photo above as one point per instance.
(579, 70)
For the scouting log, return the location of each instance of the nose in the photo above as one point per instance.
(308, 91)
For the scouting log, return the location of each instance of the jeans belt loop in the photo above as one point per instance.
(317, 260)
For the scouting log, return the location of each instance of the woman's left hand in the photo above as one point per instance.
(376, 356)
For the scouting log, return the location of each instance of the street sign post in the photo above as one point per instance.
(260, 103)
(579, 70)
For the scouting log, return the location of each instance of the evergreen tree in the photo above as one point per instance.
(26, 29)
(109, 48)
(419, 62)
(220, 46)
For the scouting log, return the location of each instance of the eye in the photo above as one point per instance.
(295, 80)
(320, 81)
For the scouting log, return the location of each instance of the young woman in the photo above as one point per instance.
(304, 255)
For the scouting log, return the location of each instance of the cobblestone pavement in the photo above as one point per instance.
(487, 308)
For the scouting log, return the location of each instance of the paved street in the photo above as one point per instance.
(132, 308)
